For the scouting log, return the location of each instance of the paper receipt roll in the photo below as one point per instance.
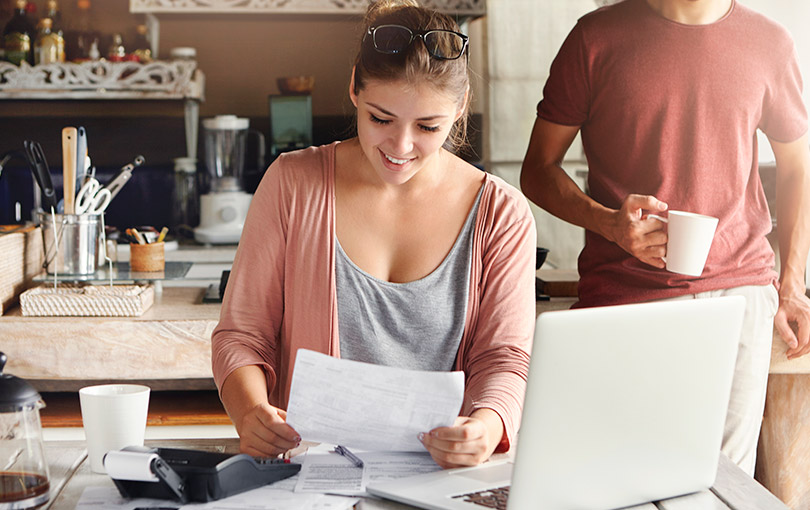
(134, 466)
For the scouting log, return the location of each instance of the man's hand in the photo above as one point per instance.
(469, 442)
(640, 236)
(794, 309)
(264, 432)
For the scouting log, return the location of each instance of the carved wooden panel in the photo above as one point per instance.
(102, 79)
(460, 7)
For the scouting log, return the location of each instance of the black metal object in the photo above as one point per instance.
(193, 475)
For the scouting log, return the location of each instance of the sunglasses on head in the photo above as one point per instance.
(441, 44)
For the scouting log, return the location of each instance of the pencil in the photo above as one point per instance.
(163, 232)
(138, 236)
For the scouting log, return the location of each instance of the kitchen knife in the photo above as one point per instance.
(39, 167)
(69, 136)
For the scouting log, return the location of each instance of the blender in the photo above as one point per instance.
(224, 208)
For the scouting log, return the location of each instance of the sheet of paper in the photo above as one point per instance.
(330, 473)
(267, 498)
(263, 498)
(370, 407)
(334, 474)
(108, 498)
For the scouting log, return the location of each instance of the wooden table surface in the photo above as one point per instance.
(70, 474)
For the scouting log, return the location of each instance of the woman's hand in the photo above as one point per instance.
(263, 432)
(469, 442)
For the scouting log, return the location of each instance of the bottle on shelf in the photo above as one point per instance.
(31, 12)
(93, 53)
(80, 35)
(19, 35)
(141, 47)
(117, 52)
(49, 47)
(55, 15)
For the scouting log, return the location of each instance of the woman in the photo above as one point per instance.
(385, 248)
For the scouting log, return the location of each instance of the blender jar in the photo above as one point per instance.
(225, 137)
(23, 470)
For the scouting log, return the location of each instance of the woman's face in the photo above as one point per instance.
(401, 127)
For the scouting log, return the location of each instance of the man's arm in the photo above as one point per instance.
(546, 184)
(793, 225)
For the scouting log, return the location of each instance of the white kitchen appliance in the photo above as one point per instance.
(224, 208)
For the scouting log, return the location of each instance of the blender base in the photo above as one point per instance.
(222, 216)
(214, 236)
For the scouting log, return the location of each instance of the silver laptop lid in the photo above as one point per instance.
(625, 404)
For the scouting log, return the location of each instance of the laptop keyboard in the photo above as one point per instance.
(490, 498)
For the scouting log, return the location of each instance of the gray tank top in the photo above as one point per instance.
(416, 325)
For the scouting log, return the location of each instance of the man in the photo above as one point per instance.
(668, 95)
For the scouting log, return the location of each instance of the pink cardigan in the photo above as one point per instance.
(281, 292)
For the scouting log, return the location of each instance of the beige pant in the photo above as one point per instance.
(747, 402)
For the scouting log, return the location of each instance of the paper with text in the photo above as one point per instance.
(366, 406)
(334, 474)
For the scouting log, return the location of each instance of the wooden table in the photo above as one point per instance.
(70, 474)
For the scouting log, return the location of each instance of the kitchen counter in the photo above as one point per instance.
(171, 341)
(169, 346)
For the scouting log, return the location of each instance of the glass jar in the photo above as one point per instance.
(186, 198)
(23, 470)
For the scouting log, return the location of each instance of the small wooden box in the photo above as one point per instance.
(21, 261)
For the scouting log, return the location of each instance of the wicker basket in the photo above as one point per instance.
(75, 300)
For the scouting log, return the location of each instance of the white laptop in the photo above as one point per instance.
(624, 405)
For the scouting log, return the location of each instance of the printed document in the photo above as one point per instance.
(370, 407)
(334, 474)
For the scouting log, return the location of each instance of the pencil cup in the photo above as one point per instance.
(144, 258)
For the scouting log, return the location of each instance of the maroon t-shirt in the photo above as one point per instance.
(671, 110)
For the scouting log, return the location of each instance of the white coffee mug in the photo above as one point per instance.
(114, 416)
(690, 237)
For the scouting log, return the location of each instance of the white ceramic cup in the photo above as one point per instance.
(689, 240)
(114, 416)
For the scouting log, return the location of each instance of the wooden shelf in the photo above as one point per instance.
(165, 408)
(100, 79)
(355, 7)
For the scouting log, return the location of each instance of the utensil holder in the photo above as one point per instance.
(146, 258)
(71, 242)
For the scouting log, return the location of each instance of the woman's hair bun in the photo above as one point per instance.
(380, 8)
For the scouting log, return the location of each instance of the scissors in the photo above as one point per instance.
(39, 167)
(92, 198)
